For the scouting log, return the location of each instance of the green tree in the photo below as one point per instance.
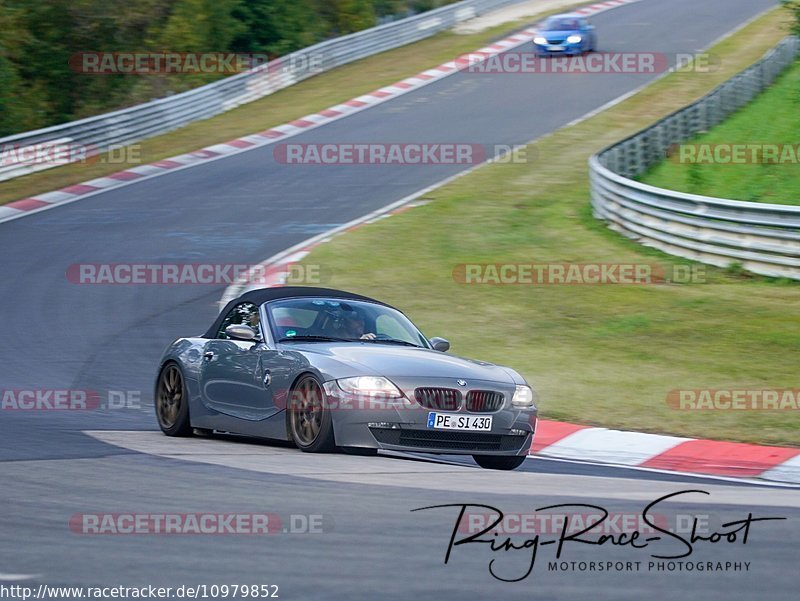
(346, 16)
(391, 8)
(10, 117)
(202, 26)
(199, 26)
(276, 27)
(111, 26)
(10, 85)
(42, 55)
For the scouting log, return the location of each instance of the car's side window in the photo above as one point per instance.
(242, 314)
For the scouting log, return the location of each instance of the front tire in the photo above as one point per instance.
(499, 462)
(172, 402)
(309, 419)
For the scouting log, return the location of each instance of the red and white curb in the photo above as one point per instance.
(561, 440)
(41, 202)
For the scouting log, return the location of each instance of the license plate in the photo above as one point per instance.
(555, 48)
(454, 421)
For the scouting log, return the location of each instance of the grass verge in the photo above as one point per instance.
(773, 118)
(602, 355)
(310, 96)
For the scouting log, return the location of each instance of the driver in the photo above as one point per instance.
(354, 326)
(254, 322)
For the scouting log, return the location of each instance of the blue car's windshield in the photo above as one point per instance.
(561, 24)
(337, 320)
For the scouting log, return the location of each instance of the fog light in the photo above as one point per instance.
(383, 425)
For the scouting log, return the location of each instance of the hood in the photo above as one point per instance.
(344, 360)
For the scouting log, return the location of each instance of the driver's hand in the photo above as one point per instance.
(368, 336)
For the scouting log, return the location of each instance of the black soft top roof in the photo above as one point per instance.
(263, 295)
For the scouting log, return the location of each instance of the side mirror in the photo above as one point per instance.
(241, 332)
(440, 344)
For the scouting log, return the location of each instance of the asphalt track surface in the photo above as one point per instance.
(241, 209)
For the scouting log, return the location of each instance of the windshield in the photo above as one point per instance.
(561, 24)
(334, 320)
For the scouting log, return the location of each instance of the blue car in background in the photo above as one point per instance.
(565, 34)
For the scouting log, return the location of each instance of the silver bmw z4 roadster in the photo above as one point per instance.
(328, 369)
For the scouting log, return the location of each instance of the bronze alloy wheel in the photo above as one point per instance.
(172, 405)
(309, 419)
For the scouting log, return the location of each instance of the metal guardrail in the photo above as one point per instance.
(102, 132)
(763, 238)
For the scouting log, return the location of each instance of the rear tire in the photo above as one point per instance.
(308, 417)
(172, 402)
(499, 462)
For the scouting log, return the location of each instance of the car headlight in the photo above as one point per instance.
(524, 397)
(369, 386)
(540, 40)
(574, 39)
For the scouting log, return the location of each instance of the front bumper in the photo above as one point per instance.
(561, 49)
(402, 425)
(452, 441)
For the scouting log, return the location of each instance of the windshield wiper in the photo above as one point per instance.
(310, 338)
(392, 341)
